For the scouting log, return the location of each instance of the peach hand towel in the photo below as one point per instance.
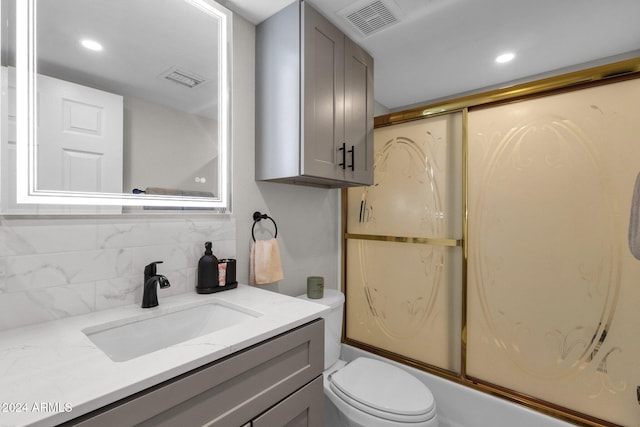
(266, 266)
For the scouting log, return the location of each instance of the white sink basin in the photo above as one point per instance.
(129, 338)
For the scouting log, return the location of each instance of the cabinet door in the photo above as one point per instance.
(358, 114)
(303, 408)
(323, 98)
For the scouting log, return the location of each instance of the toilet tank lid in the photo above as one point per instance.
(333, 298)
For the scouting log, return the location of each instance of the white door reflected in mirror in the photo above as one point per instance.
(83, 150)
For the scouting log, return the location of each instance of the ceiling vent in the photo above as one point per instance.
(183, 78)
(370, 17)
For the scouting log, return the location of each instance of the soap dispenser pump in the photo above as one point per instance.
(207, 271)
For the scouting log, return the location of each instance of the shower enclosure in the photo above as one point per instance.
(498, 245)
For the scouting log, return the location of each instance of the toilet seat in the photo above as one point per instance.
(383, 390)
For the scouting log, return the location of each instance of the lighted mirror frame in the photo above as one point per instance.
(26, 162)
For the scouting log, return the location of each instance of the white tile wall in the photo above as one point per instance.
(56, 267)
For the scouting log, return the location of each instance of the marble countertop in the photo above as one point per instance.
(51, 372)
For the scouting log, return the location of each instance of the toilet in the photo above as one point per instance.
(368, 392)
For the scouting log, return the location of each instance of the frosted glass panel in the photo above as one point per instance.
(417, 182)
(405, 297)
(553, 289)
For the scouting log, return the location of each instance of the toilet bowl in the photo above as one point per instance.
(368, 392)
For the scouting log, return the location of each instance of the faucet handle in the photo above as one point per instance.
(150, 269)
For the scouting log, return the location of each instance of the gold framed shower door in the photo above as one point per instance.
(479, 269)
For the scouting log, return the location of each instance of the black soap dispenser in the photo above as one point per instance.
(207, 271)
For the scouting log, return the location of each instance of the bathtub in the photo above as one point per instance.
(460, 406)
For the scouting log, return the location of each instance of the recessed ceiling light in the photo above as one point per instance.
(505, 57)
(91, 45)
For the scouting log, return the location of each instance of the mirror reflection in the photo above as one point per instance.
(129, 97)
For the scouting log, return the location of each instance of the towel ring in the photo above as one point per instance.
(257, 216)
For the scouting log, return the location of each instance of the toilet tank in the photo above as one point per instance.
(332, 324)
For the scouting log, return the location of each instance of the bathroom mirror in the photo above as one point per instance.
(116, 102)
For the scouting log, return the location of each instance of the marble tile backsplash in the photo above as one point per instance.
(57, 267)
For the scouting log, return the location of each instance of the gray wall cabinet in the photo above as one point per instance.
(273, 384)
(314, 102)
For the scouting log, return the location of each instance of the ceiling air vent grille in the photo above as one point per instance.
(371, 18)
(183, 78)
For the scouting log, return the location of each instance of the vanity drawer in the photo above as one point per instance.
(227, 392)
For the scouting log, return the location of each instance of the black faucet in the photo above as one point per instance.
(151, 282)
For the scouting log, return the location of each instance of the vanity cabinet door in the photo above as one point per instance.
(304, 408)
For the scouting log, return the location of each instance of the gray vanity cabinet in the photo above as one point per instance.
(273, 384)
(314, 102)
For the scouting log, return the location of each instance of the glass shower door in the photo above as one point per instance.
(403, 244)
(553, 295)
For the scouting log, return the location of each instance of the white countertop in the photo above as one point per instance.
(51, 372)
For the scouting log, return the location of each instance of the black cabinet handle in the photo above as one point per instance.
(344, 156)
(352, 151)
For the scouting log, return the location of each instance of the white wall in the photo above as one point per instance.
(52, 267)
(166, 147)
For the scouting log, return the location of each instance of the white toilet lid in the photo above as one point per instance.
(383, 390)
